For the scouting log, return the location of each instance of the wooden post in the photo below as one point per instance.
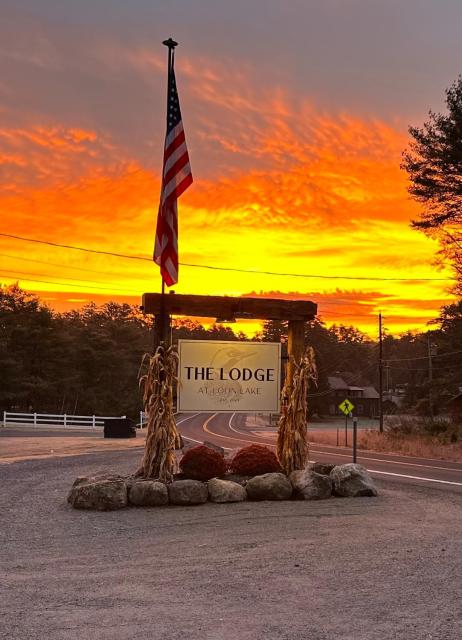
(296, 345)
(380, 376)
(161, 330)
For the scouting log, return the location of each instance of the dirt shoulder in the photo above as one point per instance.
(18, 444)
(352, 569)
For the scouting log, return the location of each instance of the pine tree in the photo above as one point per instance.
(434, 164)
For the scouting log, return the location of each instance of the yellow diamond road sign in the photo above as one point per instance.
(346, 406)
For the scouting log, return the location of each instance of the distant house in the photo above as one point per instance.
(365, 399)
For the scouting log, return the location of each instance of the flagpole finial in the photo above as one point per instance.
(170, 43)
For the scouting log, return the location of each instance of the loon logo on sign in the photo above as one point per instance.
(229, 376)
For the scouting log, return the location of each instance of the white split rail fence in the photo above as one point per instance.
(59, 420)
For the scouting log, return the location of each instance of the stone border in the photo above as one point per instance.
(106, 492)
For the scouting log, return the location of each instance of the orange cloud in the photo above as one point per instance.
(361, 308)
(287, 189)
(49, 157)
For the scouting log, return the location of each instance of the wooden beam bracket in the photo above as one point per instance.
(229, 307)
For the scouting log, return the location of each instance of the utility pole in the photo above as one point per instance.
(430, 374)
(380, 376)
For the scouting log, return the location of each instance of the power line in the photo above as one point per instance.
(449, 366)
(70, 246)
(53, 264)
(81, 282)
(233, 269)
(56, 264)
(68, 284)
(68, 266)
(438, 355)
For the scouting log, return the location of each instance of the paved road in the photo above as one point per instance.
(230, 431)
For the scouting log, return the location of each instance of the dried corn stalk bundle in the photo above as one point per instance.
(292, 446)
(162, 435)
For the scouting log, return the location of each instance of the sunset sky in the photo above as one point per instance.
(296, 115)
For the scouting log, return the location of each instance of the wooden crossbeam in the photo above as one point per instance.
(229, 308)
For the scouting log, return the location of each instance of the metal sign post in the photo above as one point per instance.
(346, 407)
(355, 429)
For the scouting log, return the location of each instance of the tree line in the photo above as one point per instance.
(86, 361)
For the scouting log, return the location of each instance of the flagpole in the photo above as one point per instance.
(163, 332)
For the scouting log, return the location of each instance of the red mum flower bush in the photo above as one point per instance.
(254, 461)
(202, 463)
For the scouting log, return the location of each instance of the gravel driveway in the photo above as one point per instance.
(359, 569)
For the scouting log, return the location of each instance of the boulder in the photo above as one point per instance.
(321, 467)
(99, 494)
(187, 492)
(269, 486)
(309, 485)
(352, 480)
(147, 493)
(225, 491)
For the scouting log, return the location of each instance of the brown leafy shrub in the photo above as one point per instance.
(254, 461)
(407, 445)
(202, 463)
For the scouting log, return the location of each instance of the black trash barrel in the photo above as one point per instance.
(119, 428)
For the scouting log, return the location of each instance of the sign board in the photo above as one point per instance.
(346, 406)
(229, 376)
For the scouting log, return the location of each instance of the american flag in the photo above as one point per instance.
(176, 178)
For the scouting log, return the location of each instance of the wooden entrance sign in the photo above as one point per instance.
(297, 312)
